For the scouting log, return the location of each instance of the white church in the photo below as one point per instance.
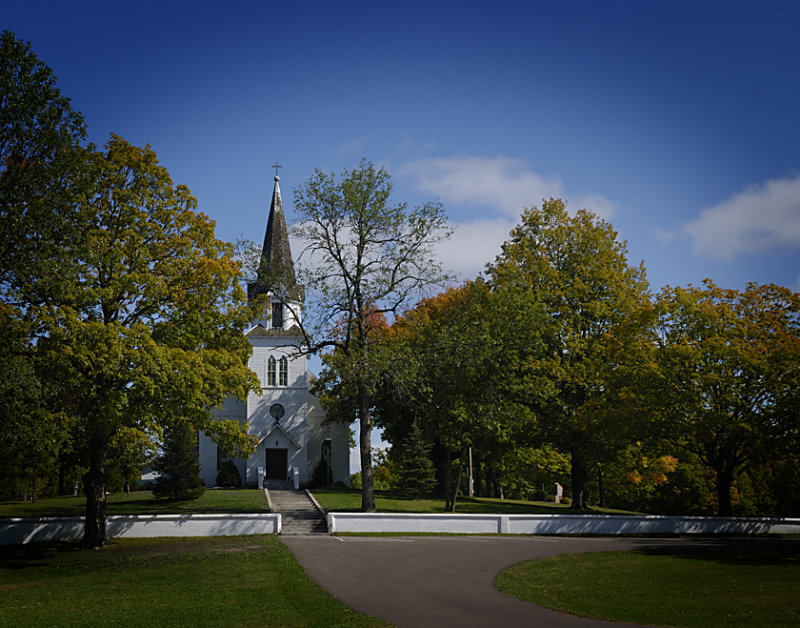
(286, 418)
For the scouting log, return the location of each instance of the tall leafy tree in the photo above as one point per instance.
(474, 366)
(729, 369)
(41, 175)
(578, 269)
(41, 170)
(131, 449)
(365, 256)
(146, 326)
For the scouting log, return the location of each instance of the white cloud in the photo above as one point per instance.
(473, 245)
(505, 184)
(761, 219)
(664, 235)
(596, 203)
(355, 146)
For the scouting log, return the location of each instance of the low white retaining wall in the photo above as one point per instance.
(14, 530)
(556, 524)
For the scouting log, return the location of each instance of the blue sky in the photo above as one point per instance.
(677, 121)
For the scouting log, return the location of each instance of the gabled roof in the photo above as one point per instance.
(276, 271)
(277, 427)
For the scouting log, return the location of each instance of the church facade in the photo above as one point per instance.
(285, 417)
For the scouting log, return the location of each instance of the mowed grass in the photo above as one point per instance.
(253, 500)
(143, 503)
(220, 581)
(341, 500)
(700, 587)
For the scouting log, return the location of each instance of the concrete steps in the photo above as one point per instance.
(299, 514)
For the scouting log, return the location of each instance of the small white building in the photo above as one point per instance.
(286, 418)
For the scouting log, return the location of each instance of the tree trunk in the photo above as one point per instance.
(579, 477)
(448, 484)
(478, 477)
(724, 482)
(365, 446)
(62, 478)
(497, 485)
(95, 528)
(457, 486)
(601, 491)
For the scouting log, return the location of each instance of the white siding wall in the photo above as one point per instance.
(292, 397)
(302, 431)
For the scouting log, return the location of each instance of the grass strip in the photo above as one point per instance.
(350, 501)
(699, 587)
(220, 581)
(143, 503)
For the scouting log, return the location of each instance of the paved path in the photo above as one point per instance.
(438, 581)
(447, 581)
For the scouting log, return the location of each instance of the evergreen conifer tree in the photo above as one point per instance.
(179, 465)
(416, 473)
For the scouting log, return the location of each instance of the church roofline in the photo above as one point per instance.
(260, 330)
(278, 427)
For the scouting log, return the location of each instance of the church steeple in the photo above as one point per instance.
(276, 270)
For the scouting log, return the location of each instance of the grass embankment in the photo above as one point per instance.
(385, 501)
(694, 587)
(220, 581)
(240, 501)
(142, 503)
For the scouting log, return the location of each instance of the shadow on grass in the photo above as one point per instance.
(734, 551)
(34, 554)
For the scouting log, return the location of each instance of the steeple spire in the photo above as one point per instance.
(276, 270)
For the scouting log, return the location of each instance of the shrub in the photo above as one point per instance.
(228, 475)
(322, 475)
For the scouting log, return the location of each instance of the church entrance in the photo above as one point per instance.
(277, 464)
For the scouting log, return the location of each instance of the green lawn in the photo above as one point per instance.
(220, 581)
(716, 585)
(233, 501)
(143, 503)
(350, 501)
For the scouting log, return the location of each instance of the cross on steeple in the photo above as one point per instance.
(276, 165)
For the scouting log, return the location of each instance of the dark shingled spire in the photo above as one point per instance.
(276, 271)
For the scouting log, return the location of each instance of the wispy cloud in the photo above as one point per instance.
(664, 235)
(354, 147)
(504, 184)
(761, 219)
(473, 245)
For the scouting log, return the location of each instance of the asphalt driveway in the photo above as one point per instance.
(440, 581)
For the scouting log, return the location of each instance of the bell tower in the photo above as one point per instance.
(276, 276)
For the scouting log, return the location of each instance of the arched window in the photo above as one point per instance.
(271, 371)
(283, 372)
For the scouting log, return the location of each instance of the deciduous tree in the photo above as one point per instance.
(578, 269)
(146, 325)
(729, 368)
(365, 256)
(474, 375)
(41, 175)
